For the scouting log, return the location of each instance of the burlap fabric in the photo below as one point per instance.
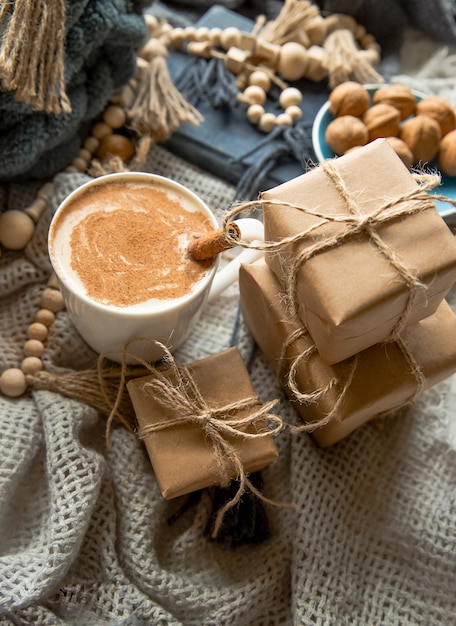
(84, 531)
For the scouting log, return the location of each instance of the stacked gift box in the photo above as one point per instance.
(349, 306)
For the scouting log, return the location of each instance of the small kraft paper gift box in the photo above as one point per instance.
(334, 400)
(372, 253)
(193, 419)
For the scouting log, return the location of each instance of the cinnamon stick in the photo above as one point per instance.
(208, 246)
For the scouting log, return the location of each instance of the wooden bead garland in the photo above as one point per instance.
(16, 231)
(299, 44)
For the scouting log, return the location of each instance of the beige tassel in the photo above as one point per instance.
(344, 61)
(32, 53)
(103, 389)
(159, 108)
(291, 23)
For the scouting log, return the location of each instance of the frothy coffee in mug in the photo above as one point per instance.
(126, 244)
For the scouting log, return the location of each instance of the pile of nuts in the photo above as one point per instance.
(419, 130)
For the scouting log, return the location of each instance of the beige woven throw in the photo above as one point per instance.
(83, 529)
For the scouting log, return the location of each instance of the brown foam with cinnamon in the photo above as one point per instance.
(132, 245)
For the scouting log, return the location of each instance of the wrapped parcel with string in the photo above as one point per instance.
(374, 254)
(203, 424)
(334, 400)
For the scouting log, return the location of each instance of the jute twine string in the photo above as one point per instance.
(180, 394)
(344, 61)
(353, 222)
(289, 372)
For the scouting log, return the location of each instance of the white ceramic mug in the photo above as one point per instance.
(110, 329)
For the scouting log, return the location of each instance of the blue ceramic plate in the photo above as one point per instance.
(322, 151)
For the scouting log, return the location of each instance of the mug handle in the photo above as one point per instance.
(252, 230)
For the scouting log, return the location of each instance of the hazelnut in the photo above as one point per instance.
(345, 132)
(402, 150)
(440, 110)
(397, 96)
(349, 98)
(447, 154)
(422, 135)
(382, 120)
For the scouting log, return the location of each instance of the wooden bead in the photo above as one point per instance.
(248, 41)
(45, 316)
(316, 30)
(254, 113)
(235, 60)
(270, 52)
(127, 95)
(31, 365)
(80, 164)
(189, 33)
(229, 37)
(36, 330)
(115, 145)
(16, 229)
(202, 33)
(52, 299)
(46, 191)
(254, 95)
(289, 97)
(85, 154)
(71, 169)
(267, 122)
(294, 112)
(284, 120)
(115, 117)
(36, 209)
(214, 35)
(100, 130)
(91, 144)
(292, 61)
(33, 347)
(200, 49)
(13, 383)
(316, 70)
(177, 38)
(261, 79)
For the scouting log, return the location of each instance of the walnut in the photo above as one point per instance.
(402, 150)
(422, 135)
(382, 120)
(349, 98)
(345, 132)
(447, 154)
(440, 110)
(397, 96)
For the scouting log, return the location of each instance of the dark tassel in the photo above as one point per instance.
(209, 81)
(284, 142)
(245, 523)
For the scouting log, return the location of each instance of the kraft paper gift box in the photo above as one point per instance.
(182, 456)
(350, 296)
(382, 379)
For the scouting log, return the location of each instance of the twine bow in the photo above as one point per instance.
(178, 393)
(352, 222)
